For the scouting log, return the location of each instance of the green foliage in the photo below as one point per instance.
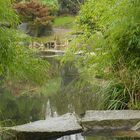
(16, 61)
(53, 3)
(6, 13)
(50, 2)
(16, 110)
(6, 35)
(111, 48)
(70, 6)
(27, 67)
(64, 21)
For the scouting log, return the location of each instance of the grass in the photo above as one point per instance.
(64, 21)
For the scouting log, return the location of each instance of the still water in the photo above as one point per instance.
(24, 109)
(62, 94)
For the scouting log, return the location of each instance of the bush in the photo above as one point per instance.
(70, 6)
(111, 30)
(17, 62)
(54, 5)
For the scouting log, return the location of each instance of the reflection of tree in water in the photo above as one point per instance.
(21, 109)
(72, 137)
(75, 94)
(69, 73)
(108, 138)
(80, 137)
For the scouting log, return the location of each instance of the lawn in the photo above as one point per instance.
(64, 22)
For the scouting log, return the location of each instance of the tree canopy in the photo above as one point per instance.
(34, 12)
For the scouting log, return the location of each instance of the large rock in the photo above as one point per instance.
(97, 121)
(122, 123)
(52, 127)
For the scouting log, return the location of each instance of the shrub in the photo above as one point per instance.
(111, 30)
(70, 6)
(53, 3)
(17, 62)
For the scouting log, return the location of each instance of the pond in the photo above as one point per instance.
(62, 94)
(23, 109)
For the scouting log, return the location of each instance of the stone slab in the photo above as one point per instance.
(117, 134)
(49, 128)
(110, 120)
(118, 123)
(65, 123)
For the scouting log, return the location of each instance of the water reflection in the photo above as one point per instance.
(80, 137)
(25, 109)
(50, 112)
(108, 138)
(69, 97)
(72, 137)
(20, 109)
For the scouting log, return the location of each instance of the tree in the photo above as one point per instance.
(70, 6)
(36, 14)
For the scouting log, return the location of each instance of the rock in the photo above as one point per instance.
(52, 53)
(136, 127)
(110, 120)
(23, 27)
(52, 127)
(121, 123)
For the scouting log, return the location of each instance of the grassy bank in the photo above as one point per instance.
(64, 22)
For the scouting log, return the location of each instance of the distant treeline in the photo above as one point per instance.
(62, 6)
